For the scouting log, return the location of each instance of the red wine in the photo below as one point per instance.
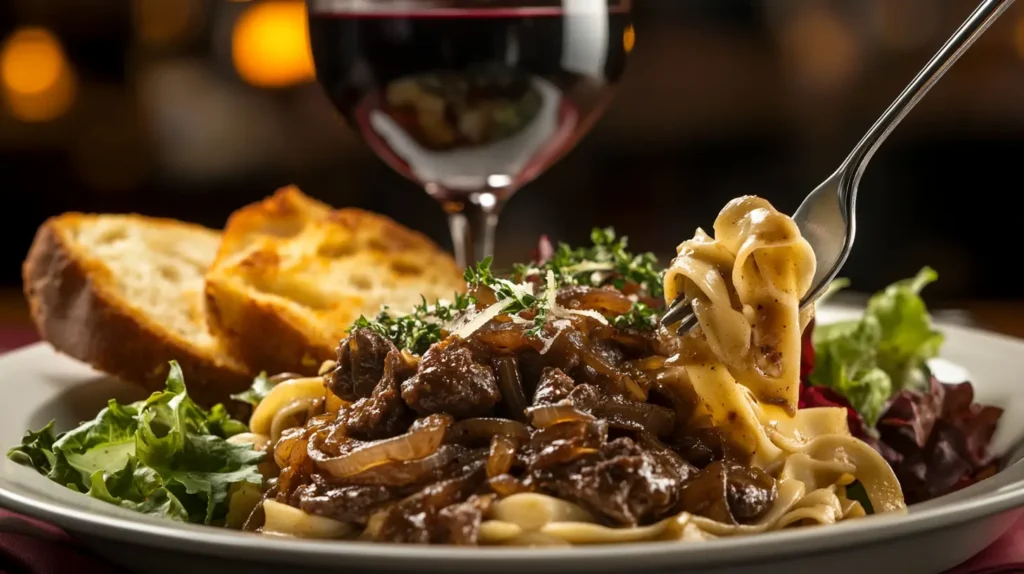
(471, 95)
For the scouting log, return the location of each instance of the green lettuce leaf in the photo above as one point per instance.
(36, 449)
(870, 359)
(908, 339)
(165, 456)
(137, 487)
(261, 387)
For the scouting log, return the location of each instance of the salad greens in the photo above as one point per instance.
(254, 395)
(164, 456)
(871, 359)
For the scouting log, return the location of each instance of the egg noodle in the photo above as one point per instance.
(742, 365)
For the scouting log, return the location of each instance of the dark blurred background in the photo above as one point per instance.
(192, 108)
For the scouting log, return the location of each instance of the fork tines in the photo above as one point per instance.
(681, 311)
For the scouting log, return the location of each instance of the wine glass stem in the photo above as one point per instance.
(472, 222)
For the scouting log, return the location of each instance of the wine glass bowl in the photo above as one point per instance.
(471, 99)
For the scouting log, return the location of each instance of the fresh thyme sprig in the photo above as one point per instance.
(606, 262)
(418, 330)
(640, 316)
(518, 297)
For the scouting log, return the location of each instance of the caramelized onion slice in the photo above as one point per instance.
(608, 301)
(511, 386)
(408, 472)
(422, 440)
(545, 416)
(501, 455)
(290, 450)
(294, 414)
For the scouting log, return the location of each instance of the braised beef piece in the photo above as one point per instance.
(449, 381)
(554, 386)
(622, 483)
(564, 351)
(633, 343)
(602, 363)
(383, 414)
(622, 412)
(442, 513)
(462, 520)
(566, 442)
(607, 351)
(360, 364)
(730, 493)
(701, 447)
(532, 365)
(344, 503)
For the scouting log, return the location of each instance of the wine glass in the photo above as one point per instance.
(470, 98)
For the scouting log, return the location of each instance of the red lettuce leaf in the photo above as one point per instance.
(937, 441)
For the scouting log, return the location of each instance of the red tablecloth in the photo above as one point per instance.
(14, 337)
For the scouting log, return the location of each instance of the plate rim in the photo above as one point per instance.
(1005, 494)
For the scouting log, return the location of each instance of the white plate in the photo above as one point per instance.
(38, 385)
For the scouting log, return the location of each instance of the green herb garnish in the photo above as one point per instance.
(606, 262)
(517, 297)
(261, 387)
(418, 330)
(640, 317)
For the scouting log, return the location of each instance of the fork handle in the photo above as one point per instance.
(982, 17)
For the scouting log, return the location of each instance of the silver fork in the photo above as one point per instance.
(827, 216)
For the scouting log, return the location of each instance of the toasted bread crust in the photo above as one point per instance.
(76, 312)
(266, 336)
(292, 239)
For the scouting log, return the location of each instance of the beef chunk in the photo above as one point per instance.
(730, 493)
(461, 521)
(625, 484)
(382, 414)
(344, 503)
(621, 412)
(442, 513)
(360, 364)
(449, 381)
(554, 386)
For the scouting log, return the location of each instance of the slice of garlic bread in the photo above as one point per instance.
(292, 275)
(124, 293)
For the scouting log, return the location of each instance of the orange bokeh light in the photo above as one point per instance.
(270, 44)
(37, 80)
(628, 38)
